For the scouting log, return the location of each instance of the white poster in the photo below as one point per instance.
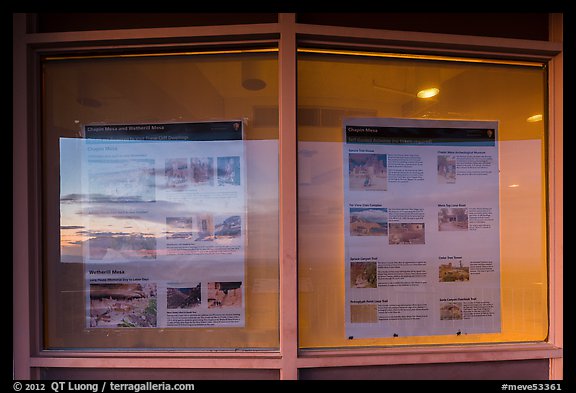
(421, 227)
(160, 226)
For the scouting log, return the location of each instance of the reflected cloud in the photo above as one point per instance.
(70, 227)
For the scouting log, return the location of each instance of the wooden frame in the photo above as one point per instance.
(28, 355)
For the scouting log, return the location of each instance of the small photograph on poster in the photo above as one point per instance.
(406, 233)
(450, 311)
(197, 227)
(453, 219)
(368, 221)
(228, 169)
(183, 297)
(121, 180)
(202, 171)
(225, 294)
(363, 313)
(446, 169)
(453, 272)
(363, 275)
(203, 228)
(367, 172)
(176, 172)
(115, 305)
(227, 227)
(179, 228)
(136, 245)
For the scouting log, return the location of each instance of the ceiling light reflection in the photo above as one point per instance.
(534, 118)
(428, 93)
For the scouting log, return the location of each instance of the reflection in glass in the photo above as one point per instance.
(332, 88)
(153, 231)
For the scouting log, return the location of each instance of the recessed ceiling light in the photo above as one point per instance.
(534, 118)
(428, 93)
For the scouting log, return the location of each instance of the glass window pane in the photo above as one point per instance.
(157, 237)
(334, 87)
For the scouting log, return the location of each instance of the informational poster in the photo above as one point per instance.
(157, 215)
(421, 225)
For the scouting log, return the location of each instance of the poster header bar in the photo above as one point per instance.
(420, 135)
